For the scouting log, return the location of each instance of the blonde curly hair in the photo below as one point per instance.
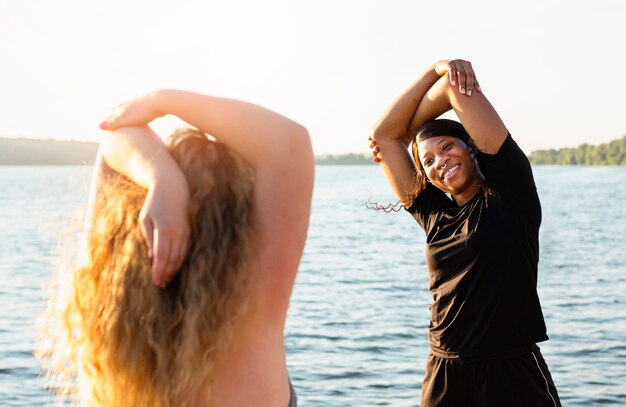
(128, 342)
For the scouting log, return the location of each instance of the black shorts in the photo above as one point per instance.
(519, 377)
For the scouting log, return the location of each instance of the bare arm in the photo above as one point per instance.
(477, 115)
(139, 154)
(280, 152)
(447, 84)
(277, 148)
(392, 135)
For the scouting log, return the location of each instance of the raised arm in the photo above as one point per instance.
(139, 154)
(392, 134)
(477, 115)
(447, 84)
(277, 148)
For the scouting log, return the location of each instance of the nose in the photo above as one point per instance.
(442, 162)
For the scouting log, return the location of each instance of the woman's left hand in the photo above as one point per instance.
(460, 71)
(136, 112)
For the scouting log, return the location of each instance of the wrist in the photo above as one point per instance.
(163, 172)
(174, 185)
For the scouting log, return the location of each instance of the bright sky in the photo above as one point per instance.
(554, 70)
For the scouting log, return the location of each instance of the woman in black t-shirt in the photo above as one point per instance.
(471, 189)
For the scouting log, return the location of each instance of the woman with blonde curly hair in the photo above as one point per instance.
(192, 253)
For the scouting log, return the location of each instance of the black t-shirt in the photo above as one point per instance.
(482, 259)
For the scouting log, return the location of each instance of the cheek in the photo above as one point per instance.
(430, 174)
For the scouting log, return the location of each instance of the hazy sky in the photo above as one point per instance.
(554, 70)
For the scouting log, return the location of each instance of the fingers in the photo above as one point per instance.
(462, 80)
(462, 73)
(456, 74)
(375, 150)
(147, 228)
(376, 154)
(161, 259)
(469, 78)
(110, 122)
(170, 251)
(179, 253)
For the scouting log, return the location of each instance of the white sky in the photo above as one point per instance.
(554, 70)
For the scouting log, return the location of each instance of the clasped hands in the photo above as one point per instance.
(460, 73)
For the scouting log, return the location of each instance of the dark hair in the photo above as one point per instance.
(442, 127)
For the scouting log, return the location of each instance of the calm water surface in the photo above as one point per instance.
(357, 328)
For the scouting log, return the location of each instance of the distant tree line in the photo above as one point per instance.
(53, 152)
(344, 159)
(22, 151)
(612, 153)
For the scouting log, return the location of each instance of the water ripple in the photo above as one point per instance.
(357, 325)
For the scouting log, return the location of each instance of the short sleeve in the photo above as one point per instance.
(509, 174)
(431, 200)
(508, 170)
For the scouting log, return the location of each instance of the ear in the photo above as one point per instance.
(472, 152)
(471, 146)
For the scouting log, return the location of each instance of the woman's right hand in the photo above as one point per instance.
(140, 154)
(164, 220)
(460, 71)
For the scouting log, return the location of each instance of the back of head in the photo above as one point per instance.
(140, 345)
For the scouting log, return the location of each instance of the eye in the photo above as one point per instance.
(446, 146)
(428, 161)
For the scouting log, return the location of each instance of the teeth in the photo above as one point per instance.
(450, 170)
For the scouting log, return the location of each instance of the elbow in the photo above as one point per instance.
(295, 140)
(297, 150)
(384, 132)
(379, 133)
(106, 147)
(301, 145)
(301, 136)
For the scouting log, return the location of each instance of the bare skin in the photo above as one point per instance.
(446, 85)
(254, 371)
(449, 166)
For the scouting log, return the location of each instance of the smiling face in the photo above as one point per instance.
(448, 165)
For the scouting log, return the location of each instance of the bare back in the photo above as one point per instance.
(254, 371)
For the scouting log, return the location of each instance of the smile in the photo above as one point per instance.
(450, 171)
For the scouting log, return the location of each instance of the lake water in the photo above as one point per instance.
(357, 328)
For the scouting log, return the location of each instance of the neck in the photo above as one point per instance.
(469, 192)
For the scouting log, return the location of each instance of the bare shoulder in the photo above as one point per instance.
(282, 205)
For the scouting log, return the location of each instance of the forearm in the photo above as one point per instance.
(435, 102)
(395, 122)
(139, 154)
(477, 115)
(257, 134)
